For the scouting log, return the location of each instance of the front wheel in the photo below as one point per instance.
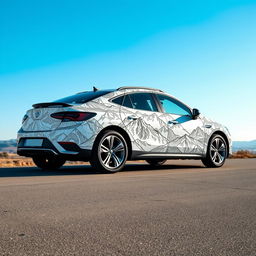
(48, 163)
(110, 152)
(216, 152)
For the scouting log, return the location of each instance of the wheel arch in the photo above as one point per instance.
(122, 132)
(224, 136)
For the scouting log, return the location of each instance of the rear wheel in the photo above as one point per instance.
(50, 163)
(156, 162)
(109, 152)
(216, 152)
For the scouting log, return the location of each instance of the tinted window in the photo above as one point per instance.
(118, 100)
(127, 102)
(124, 101)
(83, 97)
(143, 101)
(172, 106)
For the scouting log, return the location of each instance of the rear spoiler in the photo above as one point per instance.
(50, 104)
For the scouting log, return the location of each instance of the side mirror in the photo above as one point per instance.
(195, 113)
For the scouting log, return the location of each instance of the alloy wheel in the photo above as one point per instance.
(112, 152)
(218, 151)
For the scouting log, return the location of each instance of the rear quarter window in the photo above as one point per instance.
(123, 101)
(118, 100)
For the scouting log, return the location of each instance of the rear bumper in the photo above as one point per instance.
(48, 149)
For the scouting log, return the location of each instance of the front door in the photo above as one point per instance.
(185, 134)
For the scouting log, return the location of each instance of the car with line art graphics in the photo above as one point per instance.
(109, 127)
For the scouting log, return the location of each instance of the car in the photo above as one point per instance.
(109, 127)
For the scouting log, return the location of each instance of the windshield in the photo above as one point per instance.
(83, 97)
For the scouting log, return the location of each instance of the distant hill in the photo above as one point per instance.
(244, 145)
(10, 145)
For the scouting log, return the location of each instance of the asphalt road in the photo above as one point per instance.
(179, 209)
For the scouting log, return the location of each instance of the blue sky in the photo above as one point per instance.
(203, 52)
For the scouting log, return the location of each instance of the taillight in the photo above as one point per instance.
(72, 116)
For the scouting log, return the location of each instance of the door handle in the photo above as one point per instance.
(173, 122)
(132, 117)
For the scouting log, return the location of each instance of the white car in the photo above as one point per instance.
(108, 127)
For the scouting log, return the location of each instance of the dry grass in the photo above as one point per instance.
(243, 154)
(13, 160)
(15, 163)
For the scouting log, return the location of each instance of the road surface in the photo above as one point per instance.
(181, 208)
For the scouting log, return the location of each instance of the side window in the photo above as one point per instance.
(127, 102)
(118, 100)
(171, 106)
(143, 101)
(123, 101)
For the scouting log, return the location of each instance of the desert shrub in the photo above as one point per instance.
(16, 162)
(4, 155)
(243, 154)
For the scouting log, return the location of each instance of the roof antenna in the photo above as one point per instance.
(95, 89)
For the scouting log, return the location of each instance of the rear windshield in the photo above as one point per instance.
(83, 97)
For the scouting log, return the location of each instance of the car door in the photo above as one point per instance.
(185, 134)
(140, 117)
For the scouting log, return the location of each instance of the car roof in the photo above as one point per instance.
(137, 87)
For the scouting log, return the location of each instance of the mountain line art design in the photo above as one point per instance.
(150, 132)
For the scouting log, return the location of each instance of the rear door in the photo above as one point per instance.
(140, 116)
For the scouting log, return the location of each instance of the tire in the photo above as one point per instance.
(110, 152)
(48, 163)
(216, 152)
(156, 162)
